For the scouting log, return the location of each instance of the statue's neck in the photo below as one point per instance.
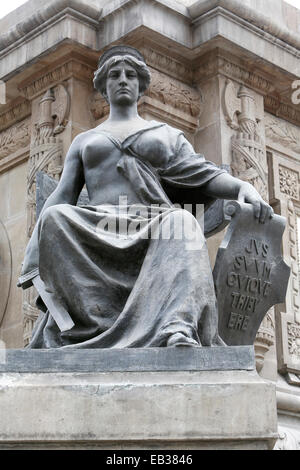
(123, 113)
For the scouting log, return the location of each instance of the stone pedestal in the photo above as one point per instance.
(136, 399)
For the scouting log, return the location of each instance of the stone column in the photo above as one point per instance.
(231, 133)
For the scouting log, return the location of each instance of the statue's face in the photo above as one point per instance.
(122, 84)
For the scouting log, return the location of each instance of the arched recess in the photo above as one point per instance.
(5, 270)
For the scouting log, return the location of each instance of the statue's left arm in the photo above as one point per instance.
(225, 186)
(187, 169)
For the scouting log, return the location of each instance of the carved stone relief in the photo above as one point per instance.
(45, 155)
(244, 116)
(286, 177)
(248, 146)
(14, 138)
(18, 112)
(175, 94)
(288, 180)
(283, 133)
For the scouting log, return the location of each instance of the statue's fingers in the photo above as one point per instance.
(241, 198)
(263, 212)
(256, 209)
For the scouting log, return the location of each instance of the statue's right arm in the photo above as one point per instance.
(72, 178)
(67, 192)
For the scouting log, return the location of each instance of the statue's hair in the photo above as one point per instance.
(141, 68)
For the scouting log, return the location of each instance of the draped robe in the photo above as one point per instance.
(130, 276)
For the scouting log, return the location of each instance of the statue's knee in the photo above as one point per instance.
(183, 225)
(183, 218)
(52, 214)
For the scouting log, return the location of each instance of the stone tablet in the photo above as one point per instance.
(250, 275)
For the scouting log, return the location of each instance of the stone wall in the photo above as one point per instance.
(222, 71)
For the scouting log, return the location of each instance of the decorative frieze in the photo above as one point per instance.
(280, 108)
(294, 339)
(220, 62)
(217, 63)
(175, 94)
(169, 65)
(15, 137)
(72, 66)
(283, 133)
(289, 182)
(17, 112)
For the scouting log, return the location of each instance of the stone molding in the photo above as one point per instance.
(14, 159)
(251, 16)
(220, 62)
(161, 61)
(85, 409)
(15, 137)
(71, 66)
(282, 133)
(52, 11)
(282, 109)
(17, 112)
(192, 13)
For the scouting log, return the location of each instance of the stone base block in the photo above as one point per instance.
(187, 409)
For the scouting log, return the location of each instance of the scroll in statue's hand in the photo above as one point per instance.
(262, 210)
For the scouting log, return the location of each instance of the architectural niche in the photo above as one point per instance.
(249, 163)
(5, 269)
(46, 154)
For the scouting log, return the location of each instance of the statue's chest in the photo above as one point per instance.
(109, 149)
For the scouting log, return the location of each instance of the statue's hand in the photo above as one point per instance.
(262, 210)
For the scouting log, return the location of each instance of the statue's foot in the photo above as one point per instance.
(179, 339)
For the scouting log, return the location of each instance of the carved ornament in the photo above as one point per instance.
(14, 138)
(216, 63)
(289, 182)
(283, 133)
(164, 63)
(71, 67)
(18, 112)
(248, 148)
(175, 94)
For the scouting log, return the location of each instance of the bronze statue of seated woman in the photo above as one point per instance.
(116, 273)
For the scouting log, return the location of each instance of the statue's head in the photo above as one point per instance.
(115, 56)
